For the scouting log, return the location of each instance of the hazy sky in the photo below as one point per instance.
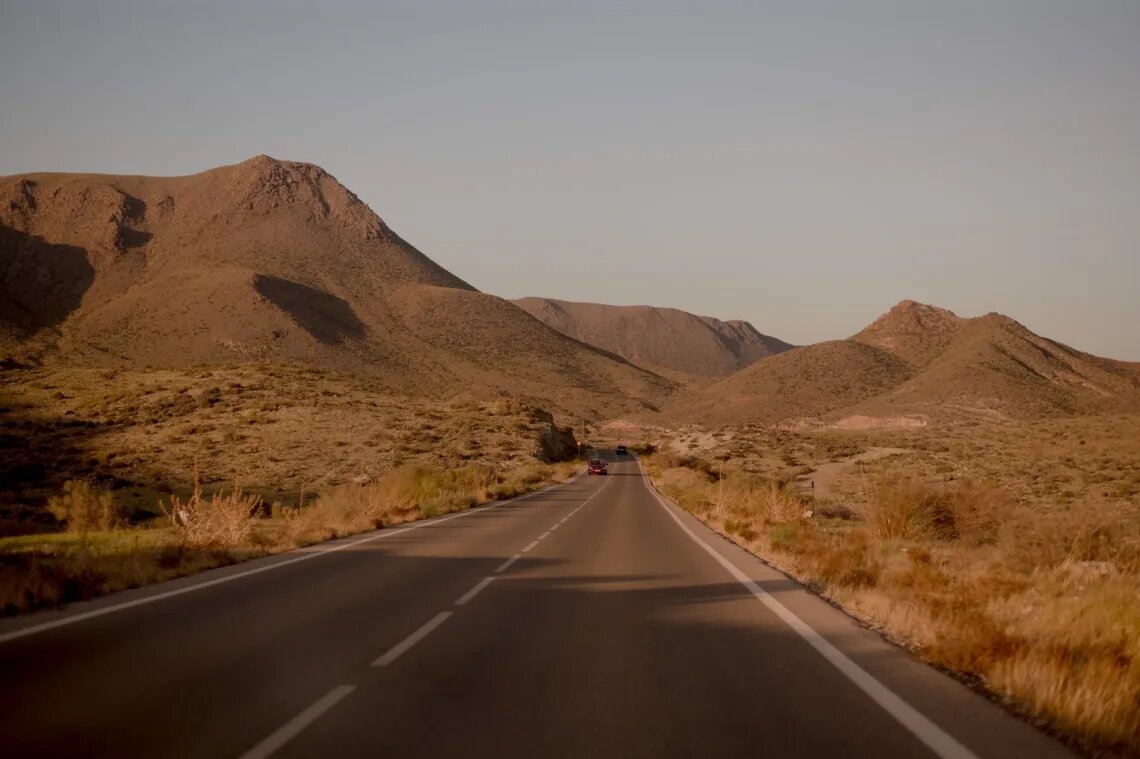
(802, 165)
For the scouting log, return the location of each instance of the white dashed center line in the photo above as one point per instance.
(293, 727)
(403, 646)
(546, 534)
(474, 591)
(506, 564)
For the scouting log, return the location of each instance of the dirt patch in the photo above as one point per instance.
(825, 475)
(861, 422)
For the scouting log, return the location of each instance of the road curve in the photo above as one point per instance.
(592, 619)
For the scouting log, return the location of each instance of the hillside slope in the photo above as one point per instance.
(805, 382)
(267, 261)
(924, 361)
(995, 364)
(915, 332)
(659, 338)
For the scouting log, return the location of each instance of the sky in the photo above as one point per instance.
(801, 165)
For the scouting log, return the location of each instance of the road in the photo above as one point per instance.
(588, 620)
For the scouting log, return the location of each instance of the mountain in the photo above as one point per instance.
(923, 361)
(805, 382)
(659, 338)
(995, 364)
(268, 261)
(915, 332)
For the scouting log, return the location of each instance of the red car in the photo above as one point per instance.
(597, 466)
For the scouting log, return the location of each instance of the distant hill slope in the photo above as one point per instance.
(804, 382)
(919, 360)
(267, 260)
(659, 338)
(996, 364)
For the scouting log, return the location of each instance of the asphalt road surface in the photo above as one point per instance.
(589, 620)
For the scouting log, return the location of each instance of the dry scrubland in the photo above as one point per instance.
(1007, 553)
(115, 479)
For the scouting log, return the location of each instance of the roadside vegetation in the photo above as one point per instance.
(97, 552)
(113, 479)
(278, 431)
(1038, 602)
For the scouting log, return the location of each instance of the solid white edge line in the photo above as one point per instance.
(293, 727)
(474, 591)
(307, 554)
(402, 647)
(503, 567)
(934, 737)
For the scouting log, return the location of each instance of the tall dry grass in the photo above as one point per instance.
(417, 492)
(83, 507)
(222, 521)
(1042, 606)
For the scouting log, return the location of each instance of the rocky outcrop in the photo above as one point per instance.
(555, 443)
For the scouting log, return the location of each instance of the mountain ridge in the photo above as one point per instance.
(658, 338)
(268, 260)
(923, 362)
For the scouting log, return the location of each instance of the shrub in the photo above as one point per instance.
(779, 503)
(900, 508)
(83, 507)
(979, 510)
(221, 521)
(667, 460)
(849, 563)
(344, 509)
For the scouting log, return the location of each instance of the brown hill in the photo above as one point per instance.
(267, 260)
(659, 338)
(919, 360)
(995, 364)
(914, 332)
(805, 382)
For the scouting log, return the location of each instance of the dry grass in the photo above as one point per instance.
(100, 487)
(203, 532)
(905, 509)
(222, 521)
(279, 430)
(43, 571)
(83, 507)
(1039, 603)
(412, 492)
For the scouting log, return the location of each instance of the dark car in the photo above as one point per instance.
(622, 451)
(597, 466)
